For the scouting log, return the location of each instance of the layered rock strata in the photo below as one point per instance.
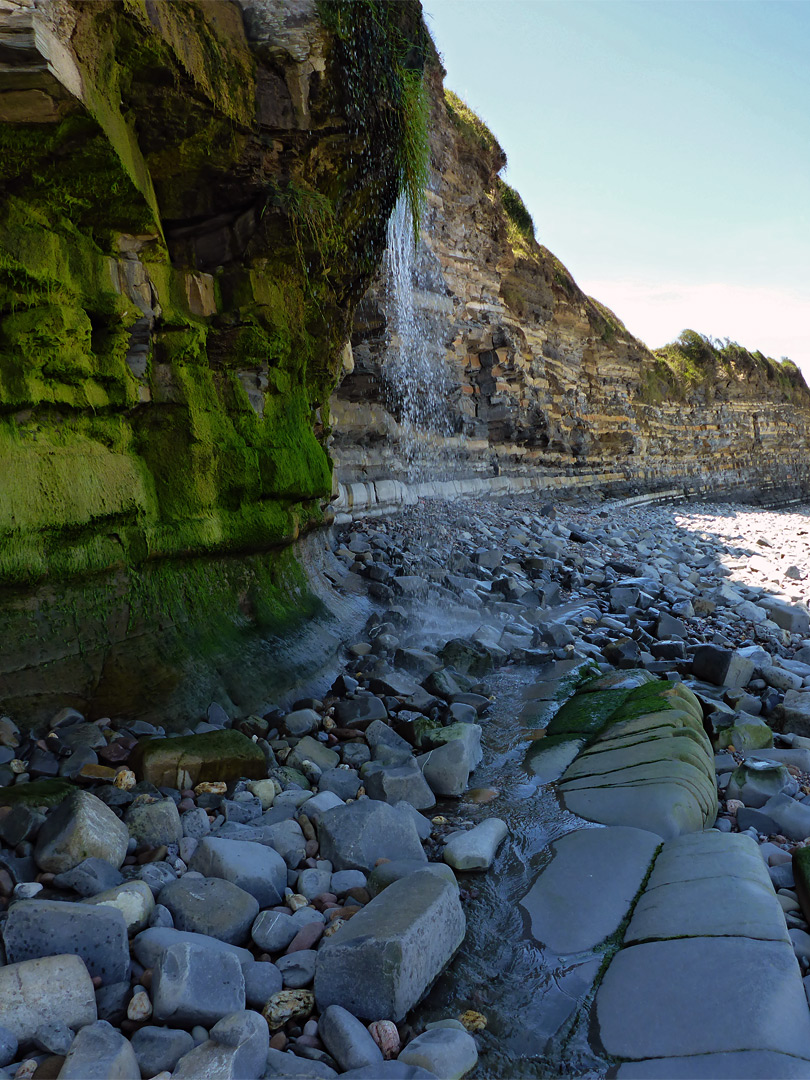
(543, 386)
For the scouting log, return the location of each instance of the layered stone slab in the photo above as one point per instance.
(654, 771)
(586, 891)
(703, 995)
(707, 983)
(745, 1065)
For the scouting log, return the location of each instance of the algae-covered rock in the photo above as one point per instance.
(749, 733)
(37, 793)
(214, 755)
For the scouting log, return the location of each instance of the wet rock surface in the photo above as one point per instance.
(283, 890)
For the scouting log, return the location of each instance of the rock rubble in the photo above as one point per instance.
(261, 896)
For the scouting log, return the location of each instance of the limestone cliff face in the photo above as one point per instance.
(193, 197)
(543, 384)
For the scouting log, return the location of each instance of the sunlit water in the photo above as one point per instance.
(416, 383)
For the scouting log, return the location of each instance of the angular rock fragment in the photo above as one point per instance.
(383, 961)
(81, 828)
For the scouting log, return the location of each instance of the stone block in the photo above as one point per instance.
(96, 933)
(381, 963)
(190, 985)
(212, 756)
(722, 667)
(54, 989)
(355, 836)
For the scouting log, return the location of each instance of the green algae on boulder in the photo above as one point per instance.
(36, 793)
(212, 756)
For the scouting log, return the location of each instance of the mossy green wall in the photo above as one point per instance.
(177, 280)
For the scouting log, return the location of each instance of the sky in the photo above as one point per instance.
(662, 148)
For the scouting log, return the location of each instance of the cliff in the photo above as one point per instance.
(193, 204)
(545, 386)
(193, 197)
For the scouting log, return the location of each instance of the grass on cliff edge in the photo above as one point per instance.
(696, 360)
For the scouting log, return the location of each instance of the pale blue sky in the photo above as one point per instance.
(662, 147)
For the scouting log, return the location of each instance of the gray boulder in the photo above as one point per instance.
(55, 989)
(447, 768)
(190, 987)
(256, 868)
(150, 945)
(154, 823)
(398, 783)
(384, 960)
(236, 1050)
(81, 827)
(355, 836)
(98, 934)
(99, 1052)
(475, 849)
(754, 782)
(158, 1049)
(262, 980)
(449, 1052)
(347, 1040)
(792, 817)
(273, 931)
(210, 906)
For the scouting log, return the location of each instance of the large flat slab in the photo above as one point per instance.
(585, 892)
(703, 995)
(709, 855)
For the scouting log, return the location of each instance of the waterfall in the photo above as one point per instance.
(417, 385)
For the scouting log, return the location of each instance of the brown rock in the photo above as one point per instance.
(306, 938)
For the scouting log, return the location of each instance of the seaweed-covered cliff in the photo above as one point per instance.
(545, 386)
(193, 197)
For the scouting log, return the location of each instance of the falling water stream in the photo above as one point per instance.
(416, 379)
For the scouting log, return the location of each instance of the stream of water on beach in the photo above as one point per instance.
(528, 995)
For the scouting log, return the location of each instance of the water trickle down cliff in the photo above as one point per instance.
(545, 387)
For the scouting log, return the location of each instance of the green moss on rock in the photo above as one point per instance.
(36, 793)
(213, 756)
